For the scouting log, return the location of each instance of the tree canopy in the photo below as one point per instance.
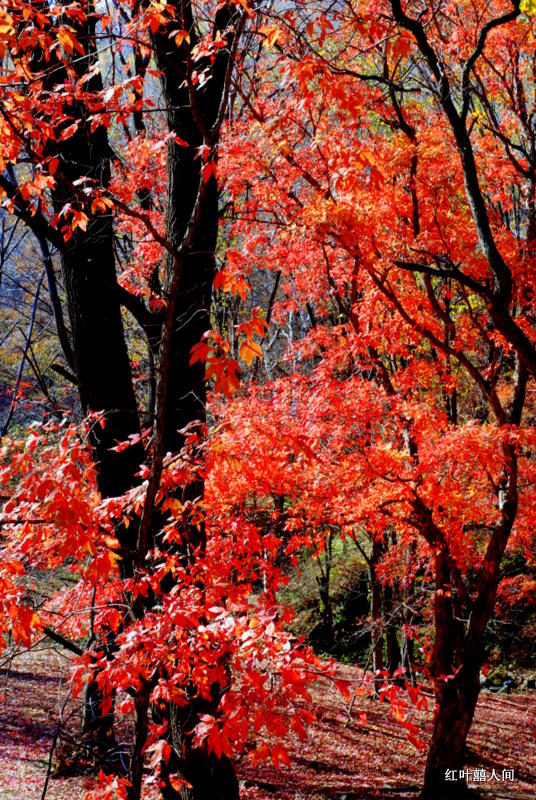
(288, 253)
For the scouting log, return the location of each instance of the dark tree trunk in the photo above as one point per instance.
(390, 623)
(101, 358)
(98, 343)
(458, 654)
(141, 728)
(186, 395)
(102, 369)
(457, 687)
(209, 777)
(457, 701)
(324, 589)
(98, 727)
(376, 614)
(407, 642)
(193, 116)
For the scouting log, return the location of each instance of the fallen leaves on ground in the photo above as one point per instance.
(346, 754)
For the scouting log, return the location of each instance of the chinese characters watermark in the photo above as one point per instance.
(479, 775)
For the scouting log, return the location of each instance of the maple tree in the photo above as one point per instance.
(60, 114)
(411, 233)
(377, 179)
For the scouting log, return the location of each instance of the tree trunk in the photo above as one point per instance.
(98, 727)
(88, 265)
(390, 622)
(407, 642)
(207, 776)
(456, 703)
(376, 615)
(457, 656)
(324, 589)
(141, 728)
(193, 116)
(99, 350)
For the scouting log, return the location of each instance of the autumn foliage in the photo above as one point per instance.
(322, 218)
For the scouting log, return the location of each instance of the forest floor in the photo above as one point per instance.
(355, 751)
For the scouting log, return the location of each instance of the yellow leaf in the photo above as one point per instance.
(68, 41)
(250, 350)
(101, 204)
(272, 34)
(173, 505)
(80, 220)
(182, 36)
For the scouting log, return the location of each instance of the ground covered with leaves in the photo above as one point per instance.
(355, 749)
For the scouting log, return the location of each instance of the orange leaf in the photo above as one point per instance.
(249, 350)
(178, 783)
